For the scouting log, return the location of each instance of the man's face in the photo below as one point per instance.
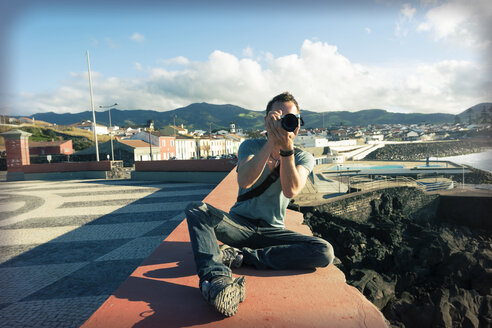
(282, 108)
(285, 107)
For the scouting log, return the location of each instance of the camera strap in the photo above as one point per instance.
(270, 179)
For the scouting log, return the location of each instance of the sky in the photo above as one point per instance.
(422, 56)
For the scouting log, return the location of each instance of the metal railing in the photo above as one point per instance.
(364, 183)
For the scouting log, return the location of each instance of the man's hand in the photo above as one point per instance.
(280, 138)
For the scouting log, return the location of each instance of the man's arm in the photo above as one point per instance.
(292, 177)
(250, 168)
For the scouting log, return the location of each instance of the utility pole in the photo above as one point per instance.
(92, 106)
(174, 126)
(110, 132)
(151, 128)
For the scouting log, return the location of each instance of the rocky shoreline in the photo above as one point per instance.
(421, 150)
(475, 176)
(417, 269)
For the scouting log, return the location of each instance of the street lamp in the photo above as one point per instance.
(110, 132)
(94, 125)
(174, 117)
(151, 128)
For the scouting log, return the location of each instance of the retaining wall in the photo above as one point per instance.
(55, 171)
(359, 206)
(192, 165)
(200, 170)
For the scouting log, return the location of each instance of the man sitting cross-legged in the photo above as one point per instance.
(253, 231)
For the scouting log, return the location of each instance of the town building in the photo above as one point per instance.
(59, 147)
(168, 147)
(128, 151)
(171, 130)
(186, 147)
(311, 140)
(142, 150)
(166, 144)
(87, 125)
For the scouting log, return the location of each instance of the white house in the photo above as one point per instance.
(374, 138)
(217, 147)
(308, 141)
(412, 135)
(185, 147)
(87, 125)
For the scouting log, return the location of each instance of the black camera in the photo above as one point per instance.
(290, 122)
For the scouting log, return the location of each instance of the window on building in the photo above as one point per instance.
(164, 143)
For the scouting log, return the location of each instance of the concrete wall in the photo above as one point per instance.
(199, 177)
(359, 206)
(471, 211)
(198, 165)
(200, 170)
(19, 176)
(64, 167)
(61, 171)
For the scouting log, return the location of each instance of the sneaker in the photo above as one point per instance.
(232, 257)
(224, 293)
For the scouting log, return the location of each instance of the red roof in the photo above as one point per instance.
(134, 143)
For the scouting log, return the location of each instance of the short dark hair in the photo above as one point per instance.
(283, 97)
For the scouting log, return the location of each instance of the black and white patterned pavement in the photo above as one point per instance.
(65, 246)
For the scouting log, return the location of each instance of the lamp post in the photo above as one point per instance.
(92, 106)
(110, 132)
(174, 122)
(151, 128)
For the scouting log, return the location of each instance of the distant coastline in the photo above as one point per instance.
(481, 160)
(459, 151)
(422, 150)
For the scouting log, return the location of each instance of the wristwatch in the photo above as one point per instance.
(286, 153)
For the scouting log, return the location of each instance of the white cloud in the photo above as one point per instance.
(405, 18)
(462, 22)
(138, 66)
(180, 61)
(407, 11)
(368, 30)
(248, 52)
(137, 37)
(319, 76)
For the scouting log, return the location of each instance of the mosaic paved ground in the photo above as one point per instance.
(65, 246)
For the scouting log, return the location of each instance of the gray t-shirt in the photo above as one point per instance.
(271, 205)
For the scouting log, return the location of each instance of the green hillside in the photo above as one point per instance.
(201, 115)
(481, 113)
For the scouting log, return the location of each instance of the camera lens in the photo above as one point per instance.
(290, 122)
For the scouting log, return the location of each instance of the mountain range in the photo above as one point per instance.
(204, 116)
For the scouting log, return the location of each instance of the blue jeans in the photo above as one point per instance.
(263, 246)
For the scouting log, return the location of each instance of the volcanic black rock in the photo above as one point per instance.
(399, 249)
